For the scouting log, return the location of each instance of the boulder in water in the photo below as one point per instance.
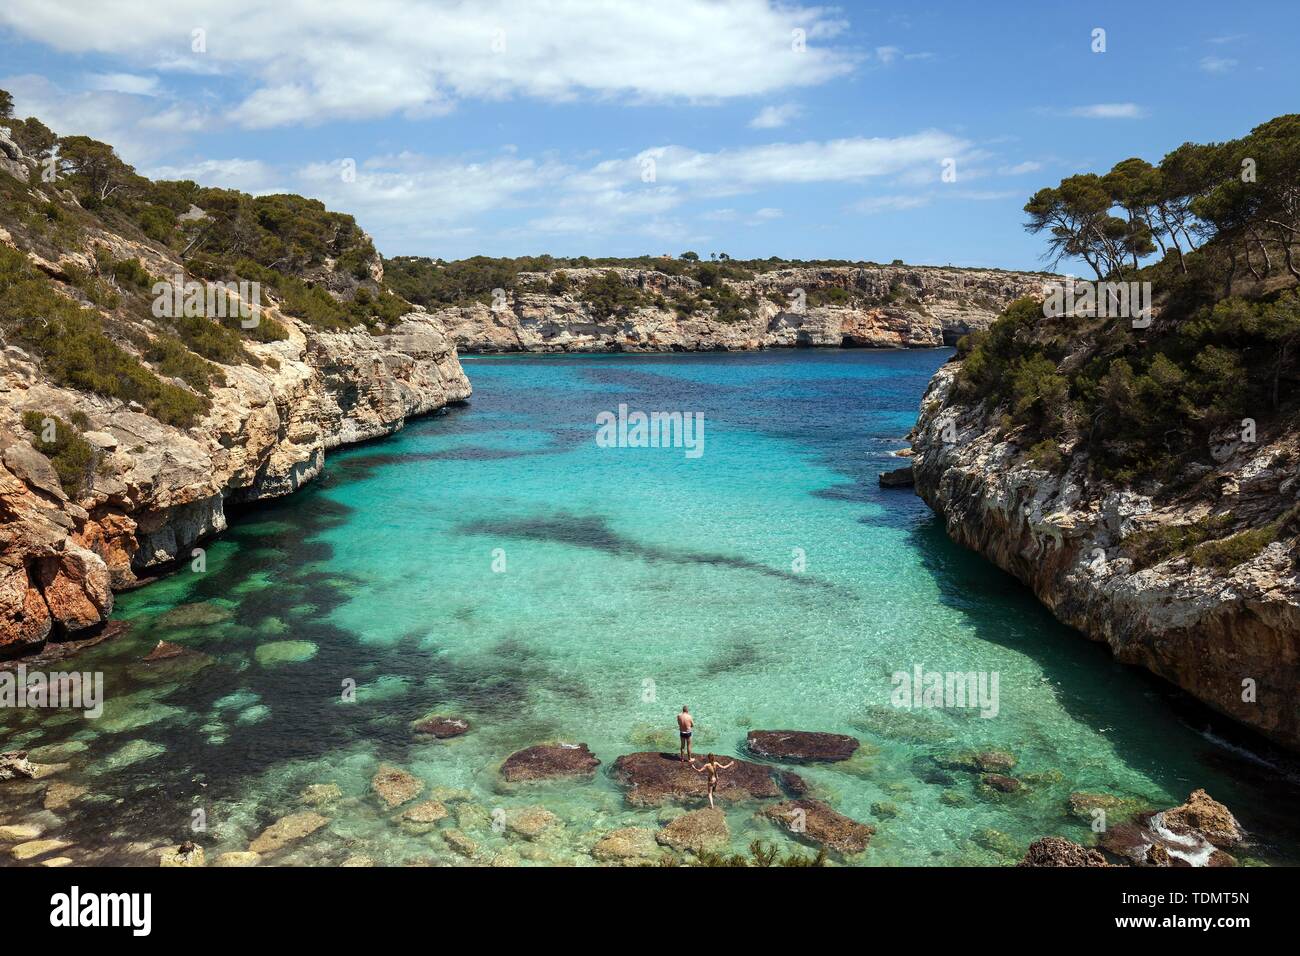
(652, 779)
(287, 830)
(1205, 815)
(628, 845)
(395, 786)
(801, 746)
(813, 821)
(548, 762)
(696, 831)
(1058, 851)
(441, 726)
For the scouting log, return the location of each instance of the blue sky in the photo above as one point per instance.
(582, 127)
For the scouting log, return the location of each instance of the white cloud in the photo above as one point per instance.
(1109, 111)
(770, 117)
(1218, 64)
(123, 83)
(310, 61)
(878, 204)
(248, 175)
(130, 123)
(888, 54)
(411, 201)
(1019, 169)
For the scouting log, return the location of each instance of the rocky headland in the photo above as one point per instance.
(865, 306)
(153, 486)
(1228, 636)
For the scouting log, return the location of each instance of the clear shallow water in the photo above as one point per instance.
(635, 581)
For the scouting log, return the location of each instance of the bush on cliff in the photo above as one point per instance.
(60, 441)
(75, 350)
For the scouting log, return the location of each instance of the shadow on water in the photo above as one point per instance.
(1102, 693)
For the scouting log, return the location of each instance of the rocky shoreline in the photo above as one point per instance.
(873, 307)
(1230, 638)
(161, 490)
(679, 829)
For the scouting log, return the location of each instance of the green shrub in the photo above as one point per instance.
(75, 350)
(1046, 455)
(73, 457)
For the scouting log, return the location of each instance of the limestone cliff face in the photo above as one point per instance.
(156, 489)
(1214, 633)
(874, 307)
(161, 489)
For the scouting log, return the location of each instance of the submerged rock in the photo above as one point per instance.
(320, 794)
(1000, 783)
(132, 753)
(287, 830)
(530, 822)
(20, 832)
(1058, 851)
(548, 762)
(59, 795)
(815, 822)
(284, 652)
(395, 786)
(801, 746)
(459, 842)
(200, 614)
(441, 726)
(1084, 807)
(34, 848)
(238, 858)
(171, 662)
(696, 830)
(627, 845)
(655, 778)
(421, 817)
(982, 761)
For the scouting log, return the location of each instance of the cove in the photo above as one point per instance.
(495, 563)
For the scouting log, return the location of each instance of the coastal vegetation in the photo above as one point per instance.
(1146, 403)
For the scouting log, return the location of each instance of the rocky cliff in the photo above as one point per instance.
(153, 490)
(1230, 636)
(834, 306)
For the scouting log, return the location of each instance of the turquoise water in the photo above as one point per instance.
(493, 562)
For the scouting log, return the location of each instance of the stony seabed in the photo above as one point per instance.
(493, 564)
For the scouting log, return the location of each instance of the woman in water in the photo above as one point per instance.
(712, 766)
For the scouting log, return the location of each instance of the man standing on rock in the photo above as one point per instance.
(685, 727)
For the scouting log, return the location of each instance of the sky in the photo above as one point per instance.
(452, 128)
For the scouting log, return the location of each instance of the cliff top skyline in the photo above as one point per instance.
(803, 132)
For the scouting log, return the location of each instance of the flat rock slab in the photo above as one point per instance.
(696, 831)
(630, 844)
(394, 786)
(657, 778)
(815, 822)
(441, 726)
(549, 761)
(801, 746)
(287, 830)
